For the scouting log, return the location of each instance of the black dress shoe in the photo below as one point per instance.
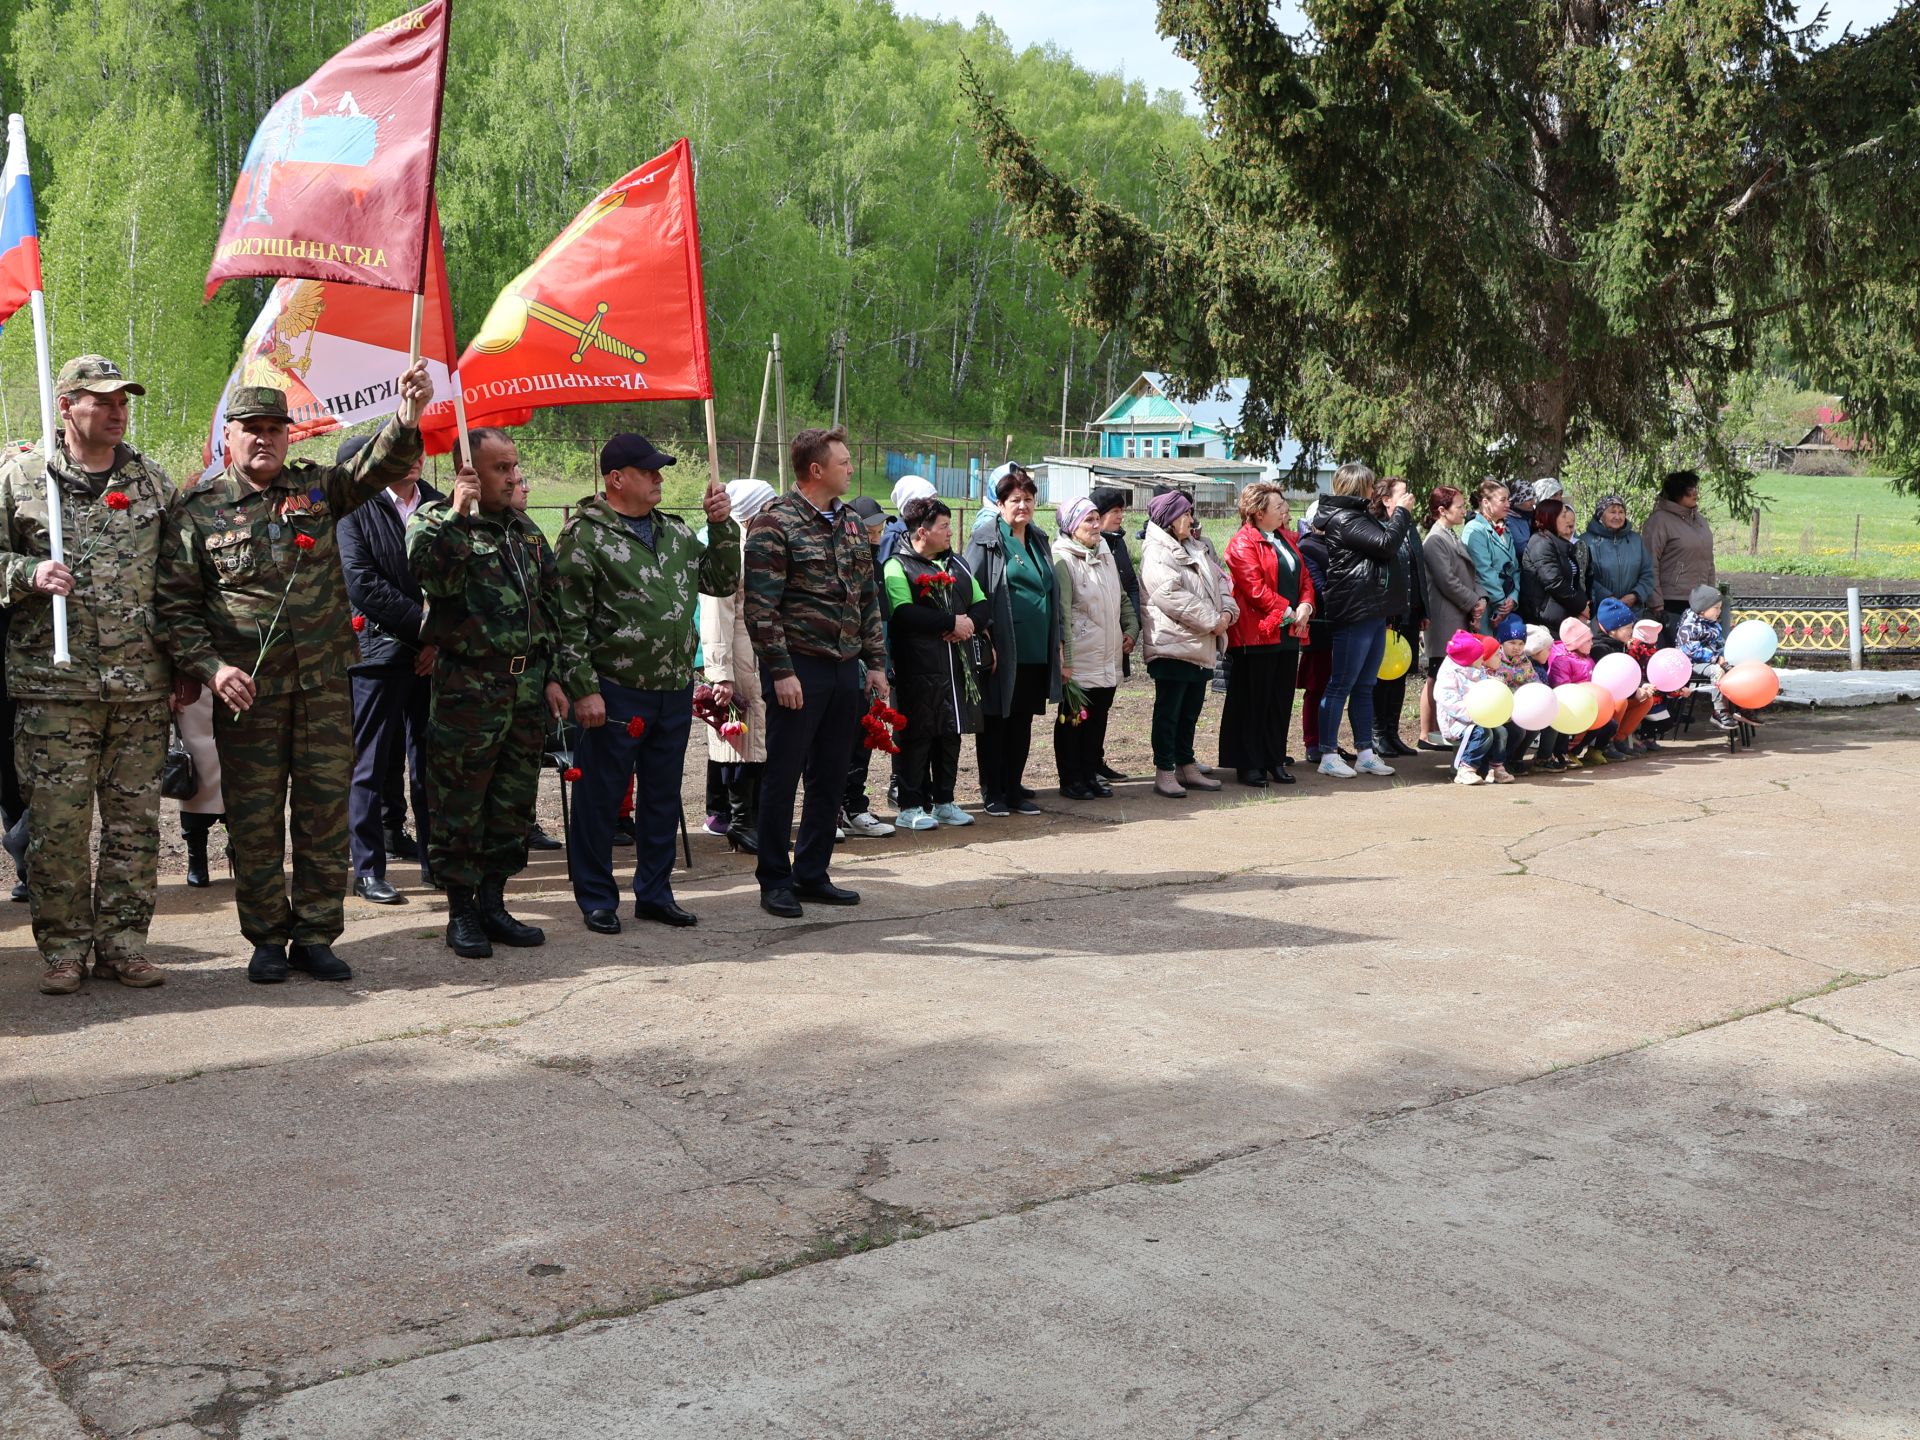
(1100, 788)
(667, 914)
(781, 902)
(1107, 772)
(623, 830)
(1021, 792)
(378, 891)
(20, 895)
(319, 961)
(538, 839)
(1256, 778)
(399, 845)
(268, 966)
(1078, 791)
(603, 922)
(1399, 746)
(1282, 776)
(827, 893)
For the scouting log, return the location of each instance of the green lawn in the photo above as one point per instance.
(1807, 527)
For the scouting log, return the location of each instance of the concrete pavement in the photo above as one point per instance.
(1347, 1018)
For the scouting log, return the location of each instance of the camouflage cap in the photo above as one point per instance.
(96, 374)
(251, 402)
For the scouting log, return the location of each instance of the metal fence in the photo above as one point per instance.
(1856, 625)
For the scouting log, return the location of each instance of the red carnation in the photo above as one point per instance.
(359, 623)
(570, 774)
(117, 500)
(303, 542)
(636, 727)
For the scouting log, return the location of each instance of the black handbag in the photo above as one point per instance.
(177, 778)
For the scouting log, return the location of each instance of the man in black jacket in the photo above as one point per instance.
(392, 682)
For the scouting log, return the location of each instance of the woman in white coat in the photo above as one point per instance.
(1189, 609)
(1099, 628)
(727, 650)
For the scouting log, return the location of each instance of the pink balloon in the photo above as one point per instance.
(1669, 670)
(1617, 674)
(1534, 706)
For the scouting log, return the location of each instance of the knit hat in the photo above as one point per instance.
(1576, 634)
(1109, 497)
(1072, 513)
(1511, 628)
(1539, 640)
(749, 498)
(1703, 598)
(1612, 614)
(911, 487)
(1464, 648)
(1489, 647)
(1165, 509)
(1647, 632)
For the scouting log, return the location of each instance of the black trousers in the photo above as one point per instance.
(1390, 695)
(1079, 749)
(1005, 740)
(811, 742)
(929, 766)
(1258, 711)
(390, 710)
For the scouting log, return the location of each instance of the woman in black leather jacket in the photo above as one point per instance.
(1360, 555)
(1551, 585)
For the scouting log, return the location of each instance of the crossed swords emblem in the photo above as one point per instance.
(507, 321)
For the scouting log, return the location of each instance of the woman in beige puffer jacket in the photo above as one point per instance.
(1189, 607)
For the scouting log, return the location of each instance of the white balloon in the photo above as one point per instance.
(1750, 640)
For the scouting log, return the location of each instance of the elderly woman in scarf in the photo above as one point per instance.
(733, 766)
(1614, 559)
(1189, 609)
(1097, 621)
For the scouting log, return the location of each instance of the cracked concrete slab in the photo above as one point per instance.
(325, 1179)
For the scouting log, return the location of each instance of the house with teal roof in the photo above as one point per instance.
(1146, 423)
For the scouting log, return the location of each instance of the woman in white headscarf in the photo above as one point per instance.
(728, 653)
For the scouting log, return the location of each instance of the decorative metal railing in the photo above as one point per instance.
(1814, 625)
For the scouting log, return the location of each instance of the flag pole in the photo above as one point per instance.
(43, 373)
(713, 447)
(760, 425)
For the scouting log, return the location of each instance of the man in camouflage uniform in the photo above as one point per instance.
(488, 576)
(96, 728)
(629, 615)
(254, 604)
(813, 609)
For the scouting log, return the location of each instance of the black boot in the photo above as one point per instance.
(194, 829)
(499, 924)
(466, 936)
(742, 824)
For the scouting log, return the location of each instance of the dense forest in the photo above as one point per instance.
(840, 188)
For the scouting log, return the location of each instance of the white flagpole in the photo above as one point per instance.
(43, 368)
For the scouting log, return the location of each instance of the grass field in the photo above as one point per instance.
(1808, 527)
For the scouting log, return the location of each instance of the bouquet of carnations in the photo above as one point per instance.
(878, 727)
(726, 719)
(1073, 703)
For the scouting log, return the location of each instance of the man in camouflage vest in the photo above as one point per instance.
(813, 609)
(489, 578)
(95, 729)
(629, 622)
(253, 604)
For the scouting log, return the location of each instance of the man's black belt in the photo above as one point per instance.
(497, 664)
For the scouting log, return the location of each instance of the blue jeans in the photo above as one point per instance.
(1484, 748)
(607, 755)
(1357, 650)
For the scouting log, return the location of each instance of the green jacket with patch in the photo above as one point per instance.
(489, 583)
(631, 614)
(114, 556)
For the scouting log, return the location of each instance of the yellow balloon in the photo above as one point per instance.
(1577, 711)
(1489, 703)
(1398, 658)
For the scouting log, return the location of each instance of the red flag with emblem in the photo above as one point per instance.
(338, 181)
(612, 311)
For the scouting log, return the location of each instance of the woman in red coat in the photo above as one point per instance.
(1275, 594)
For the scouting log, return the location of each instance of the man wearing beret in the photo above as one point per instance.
(252, 603)
(95, 729)
(629, 610)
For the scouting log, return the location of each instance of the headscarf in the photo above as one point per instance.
(1165, 510)
(1072, 513)
(1547, 488)
(911, 487)
(1601, 509)
(749, 498)
(1521, 496)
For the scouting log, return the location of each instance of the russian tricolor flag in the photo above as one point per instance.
(19, 233)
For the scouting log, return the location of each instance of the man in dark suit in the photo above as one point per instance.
(392, 681)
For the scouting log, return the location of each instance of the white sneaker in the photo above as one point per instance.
(1463, 776)
(1371, 764)
(948, 813)
(1332, 764)
(1501, 775)
(869, 826)
(914, 818)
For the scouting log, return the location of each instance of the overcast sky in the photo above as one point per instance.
(1119, 35)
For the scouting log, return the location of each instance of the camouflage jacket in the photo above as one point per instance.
(489, 582)
(114, 556)
(629, 613)
(810, 587)
(230, 562)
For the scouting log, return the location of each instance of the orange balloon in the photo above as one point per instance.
(1604, 704)
(1751, 686)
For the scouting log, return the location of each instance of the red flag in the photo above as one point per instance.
(339, 178)
(613, 310)
(338, 351)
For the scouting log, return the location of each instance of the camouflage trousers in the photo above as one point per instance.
(70, 753)
(286, 765)
(486, 739)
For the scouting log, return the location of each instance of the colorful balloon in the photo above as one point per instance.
(1489, 703)
(1750, 640)
(1618, 674)
(1669, 670)
(1577, 710)
(1398, 658)
(1751, 686)
(1534, 706)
